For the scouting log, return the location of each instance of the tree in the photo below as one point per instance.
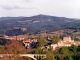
(78, 49)
(63, 54)
(1, 49)
(55, 39)
(41, 41)
(76, 39)
(38, 50)
(50, 54)
(73, 48)
(14, 48)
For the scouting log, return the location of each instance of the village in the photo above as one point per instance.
(32, 42)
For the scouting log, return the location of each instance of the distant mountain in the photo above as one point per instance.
(37, 23)
(10, 18)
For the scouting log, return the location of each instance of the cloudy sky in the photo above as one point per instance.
(61, 8)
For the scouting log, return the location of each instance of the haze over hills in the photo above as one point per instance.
(36, 24)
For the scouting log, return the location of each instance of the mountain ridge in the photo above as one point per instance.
(36, 15)
(38, 23)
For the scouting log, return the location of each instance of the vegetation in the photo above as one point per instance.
(50, 54)
(13, 48)
(55, 39)
(41, 41)
(67, 53)
(55, 23)
(64, 53)
(38, 50)
(4, 41)
(16, 57)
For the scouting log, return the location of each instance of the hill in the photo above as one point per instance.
(38, 23)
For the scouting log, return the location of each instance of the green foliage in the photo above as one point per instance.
(55, 39)
(68, 53)
(38, 50)
(63, 54)
(41, 41)
(50, 54)
(1, 49)
(64, 50)
(73, 48)
(76, 39)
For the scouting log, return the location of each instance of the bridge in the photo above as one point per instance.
(33, 56)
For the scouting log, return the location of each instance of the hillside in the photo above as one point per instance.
(38, 23)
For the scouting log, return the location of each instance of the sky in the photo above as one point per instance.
(60, 8)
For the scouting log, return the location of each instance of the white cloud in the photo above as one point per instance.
(10, 7)
(16, 4)
(28, 0)
(64, 8)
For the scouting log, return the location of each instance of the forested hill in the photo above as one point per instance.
(37, 23)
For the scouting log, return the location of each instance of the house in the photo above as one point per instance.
(67, 41)
(27, 43)
(30, 43)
